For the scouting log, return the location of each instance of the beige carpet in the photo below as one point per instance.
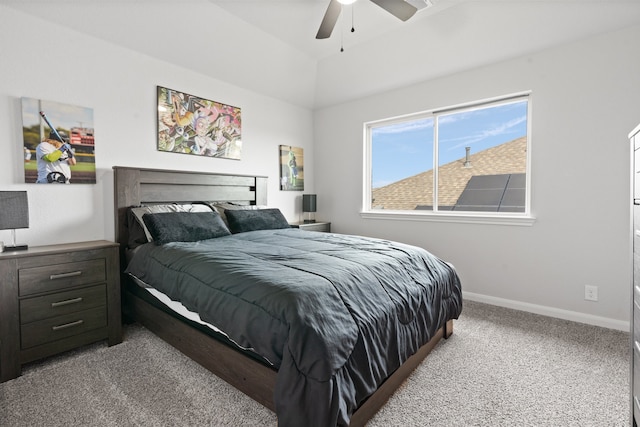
(500, 368)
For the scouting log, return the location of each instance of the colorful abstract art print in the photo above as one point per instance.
(291, 168)
(58, 143)
(188, 124)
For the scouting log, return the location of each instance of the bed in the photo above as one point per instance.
(322, 368)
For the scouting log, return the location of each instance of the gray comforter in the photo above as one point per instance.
(336, 314)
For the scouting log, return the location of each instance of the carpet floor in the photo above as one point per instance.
(501, 367)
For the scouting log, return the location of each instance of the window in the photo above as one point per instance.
(465, 161)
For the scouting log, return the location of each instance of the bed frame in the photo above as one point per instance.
(136, 186)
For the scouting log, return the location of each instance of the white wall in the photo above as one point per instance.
(585, 101)
(120, 86)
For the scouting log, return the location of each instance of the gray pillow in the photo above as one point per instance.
(241, 221)
(223, 207)
(166, 227)
(139, 211)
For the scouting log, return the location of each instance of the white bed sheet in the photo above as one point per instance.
(183, 311)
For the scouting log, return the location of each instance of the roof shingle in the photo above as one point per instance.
(417, 190)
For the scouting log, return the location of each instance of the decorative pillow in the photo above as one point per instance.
(168, 227)
(255, 219)
(222, 207)
(139, 211)
(136, 231)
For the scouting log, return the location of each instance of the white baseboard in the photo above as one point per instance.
(574, 316)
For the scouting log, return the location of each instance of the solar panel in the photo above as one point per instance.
(493, 193)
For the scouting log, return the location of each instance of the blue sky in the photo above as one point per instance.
(60, 115)
(406, 149)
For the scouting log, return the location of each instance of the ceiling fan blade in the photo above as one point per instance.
(398, 8)
(329, 20)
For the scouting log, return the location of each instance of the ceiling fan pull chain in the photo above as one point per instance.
(353, 28)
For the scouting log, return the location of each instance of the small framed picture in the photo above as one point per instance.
(291, 168)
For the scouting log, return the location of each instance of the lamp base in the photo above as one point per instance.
(309, 221)
(15, 248)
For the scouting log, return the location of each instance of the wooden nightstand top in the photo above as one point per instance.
(313, 226)
(63, 247)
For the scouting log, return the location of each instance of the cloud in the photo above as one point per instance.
(501, 129)
(414, 125)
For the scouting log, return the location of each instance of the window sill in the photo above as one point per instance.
(475, 218)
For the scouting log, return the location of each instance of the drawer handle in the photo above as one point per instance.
(637, 345)
(635, 398)
(68, 325)
(63, 275)
(66, 302)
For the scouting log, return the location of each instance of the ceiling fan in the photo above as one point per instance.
(398, 8)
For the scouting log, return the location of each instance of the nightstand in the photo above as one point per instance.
(55, 298)
(313, 226)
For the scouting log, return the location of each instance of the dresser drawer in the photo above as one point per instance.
(52, 305)
(60, 276)
(636, 313)
(636, 245)
(55, 328)
(635, 389)
(636, 321)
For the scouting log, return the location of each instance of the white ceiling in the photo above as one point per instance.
(269, 46)
(296, 22)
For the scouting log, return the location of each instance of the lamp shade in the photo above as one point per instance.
(308, 203)
(14, 210)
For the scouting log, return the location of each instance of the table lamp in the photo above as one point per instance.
(14, 213)
(309, 206)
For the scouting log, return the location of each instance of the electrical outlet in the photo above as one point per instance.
(591, 293)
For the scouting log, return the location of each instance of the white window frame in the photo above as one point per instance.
(497, 218)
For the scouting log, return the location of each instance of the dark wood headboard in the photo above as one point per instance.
(138, 186)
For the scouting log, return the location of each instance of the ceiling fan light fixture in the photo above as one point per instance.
(398, 8)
